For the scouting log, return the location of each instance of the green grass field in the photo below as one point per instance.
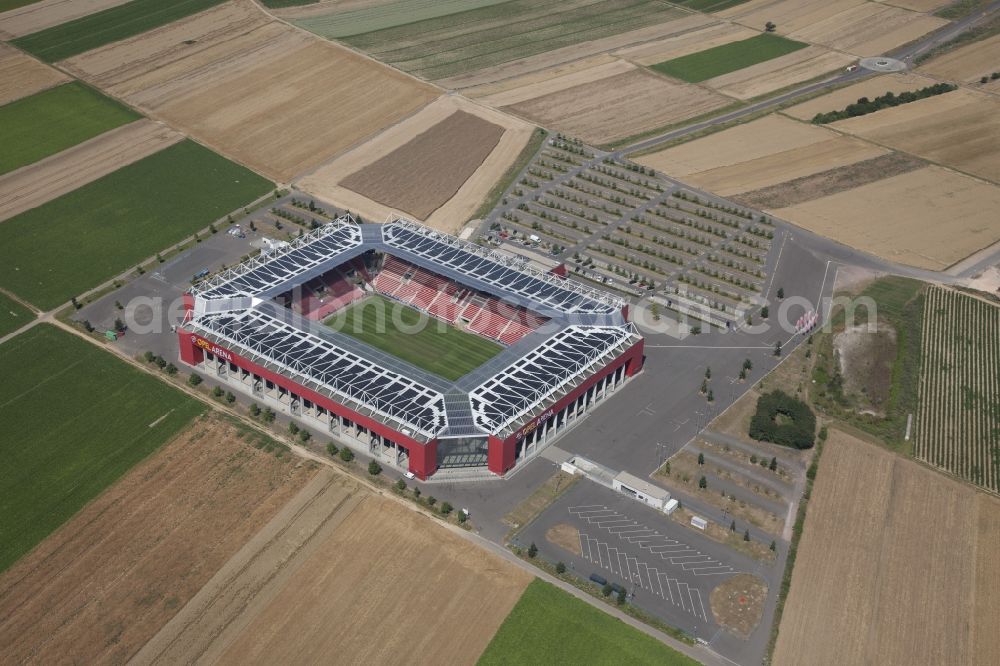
(495, 33)
(110, 25)
(436, 347)
(549, 626)
(79, 240)
(727, 58)
(74, 420)
(13, 315)
(53, 120)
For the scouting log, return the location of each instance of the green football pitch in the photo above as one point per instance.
(416, 338)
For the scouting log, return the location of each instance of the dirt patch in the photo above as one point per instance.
(854, 597)
(929, 218)
(534, 504)
(832, 181)
(273, 97)
(619, 106)
(421, 175)
(866, 359)
(565, 536)
(111, 577)
(345, 560)
(869, 29)
(47, 13)
(738, 603)
(37, 183)
(778, 73)
(22, 75)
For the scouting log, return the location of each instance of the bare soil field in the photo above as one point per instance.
(619, 106)
(929, 218)
(766, 136)
(326, 181)
(342, 560)
(873, 87)
(869, 29)
(778, 73)
(866, 358)
(968, 63)
(738, 603)
(22, 75)
(875, 582)
(47, 13)
(428, 170)
(35, 184)
(675, 46)
(831, 181)
(259, 91)
(111, 577)
(960, 129)
(840, 151)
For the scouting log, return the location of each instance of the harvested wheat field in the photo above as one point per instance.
(675, 46)
(22, 75)
(106, 581)
(770, 135)
(523, 88)
(896, 566)
(793, 14)
(47, 13)
(918, 5)
(619, 106)
(426, 167)
(869, 29)
(871, 87)
(968, 63)
(35, 184)
(928, 218)
(349, 574)
(257, 90)
(960, 129)
(778, 73)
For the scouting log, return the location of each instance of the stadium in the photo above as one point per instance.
(423, 350)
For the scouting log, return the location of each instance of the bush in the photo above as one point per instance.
(431, 500)
(560, 568)
(621, 597)
(446, 508)
(149, 356)
(532, 550)
(416, 492)
(230, 398)
(332, 449)
(401, 486)
(374, 468)
(254, 410)
(798, 426)
(194, 379)
(171, 369)
(304, 436)
(346, 455)
(293, 428)
(606, 590)
(462, 517)
(160, 362)
(217, 392)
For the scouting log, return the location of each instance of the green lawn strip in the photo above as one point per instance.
(381, 17)
(7, 5)
(727, 58)
(550, 626)
(110, 25)
(436, 347)
(77, 241)
(75, 419)
(53, 120)
(13, 315)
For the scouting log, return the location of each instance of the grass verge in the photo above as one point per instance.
(75, 419)
(726, 58)
(75, 242)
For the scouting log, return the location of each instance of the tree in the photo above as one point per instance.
(401, 485)
(268, 415)
(777, 348)
(532, 550)
(666, 468)
(764, 312)
(746, 535)
(304, 435)
(87, 326)
(416, 492)
(230, 397)
(774, 464)
(560, 568)
(704, 386)
(774, 545)
(711, 396)
(119, 306)
(701, 458)
(732, 526)
(374, 468)
(160, 362)
(703, 483)
(254, 409)
(194, 379)
(621, 597)
(293, 428)
(119, 325)
(75, 303)
(797, 425)
(217, 392)
(253, 227)
(171, 369)
(446, 508)
(708, 373)
(346, 455)
(823, 434)
(462, 517)
(743, 373)
(747, 365)
(431, 500)
(781, 292)
(770, 27)
(149, 356)
(332, 449)
(607, 589)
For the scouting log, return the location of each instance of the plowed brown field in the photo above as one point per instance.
(111, 577)
(22, 75)
(275, 98)
(896, 566)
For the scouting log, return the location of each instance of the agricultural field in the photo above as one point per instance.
(36, 15)
(107, 580)
(21, 75)
(874, 519)
(957, 427)
(456, 44)
(59, 174)
(778, 73)
(13, 315)
(725, 58)
(50, 121)
(336, 22)
(106, 26)
(895, 83)
(336, 560)
(868, 29)
(551, 626)
(425, 172)
(968, 63)
(119, 220)
(435, 346)
(205, 75)
(61, 453)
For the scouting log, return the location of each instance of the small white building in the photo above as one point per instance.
(644, 491)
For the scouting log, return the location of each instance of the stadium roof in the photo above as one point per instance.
(234, 310)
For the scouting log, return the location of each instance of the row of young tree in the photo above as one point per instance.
(865, 106)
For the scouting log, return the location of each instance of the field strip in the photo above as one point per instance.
(22, 75)
(47, 13)
(557, 83)
(35, 184)
(676, 46)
